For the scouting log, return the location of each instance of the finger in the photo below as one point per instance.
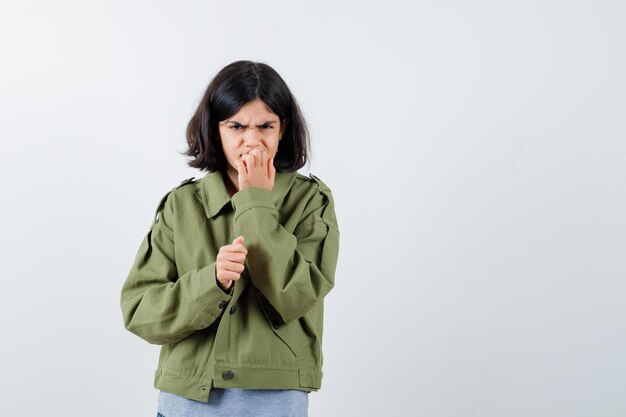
(232, 257)
(248, 161)
(272, 170)
(234, 248)
(225, 266)
(228, 275)
(241, 176)
(258, 157)
(254, 154)
(242, 170)
(233, 267)
(239, 240)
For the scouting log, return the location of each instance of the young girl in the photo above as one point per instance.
(231, 277)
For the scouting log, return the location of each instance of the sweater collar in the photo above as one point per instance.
(215, 196)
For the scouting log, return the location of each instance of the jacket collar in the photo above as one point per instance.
(215, 195)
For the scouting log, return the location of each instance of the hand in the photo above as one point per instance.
(229, 263)
(256, 169)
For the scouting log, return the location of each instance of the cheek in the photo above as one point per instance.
(273, 143)
(229, 144)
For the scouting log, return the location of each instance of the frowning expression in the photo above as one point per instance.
(254, 126)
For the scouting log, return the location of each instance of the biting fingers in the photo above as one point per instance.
(248, 161)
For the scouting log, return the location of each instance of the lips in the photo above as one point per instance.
(246, 153)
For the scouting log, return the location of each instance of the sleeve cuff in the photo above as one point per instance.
(250, 197)
(216, 298)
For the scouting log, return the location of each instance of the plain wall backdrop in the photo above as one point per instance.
(476, 152)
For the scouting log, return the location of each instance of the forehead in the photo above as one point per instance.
(254, 110)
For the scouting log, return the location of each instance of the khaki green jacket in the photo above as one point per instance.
(267, 331)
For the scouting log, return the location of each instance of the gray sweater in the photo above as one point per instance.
(237, 402)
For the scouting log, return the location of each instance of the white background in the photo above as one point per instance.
(476, 152)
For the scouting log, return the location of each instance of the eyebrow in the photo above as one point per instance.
(268, 122)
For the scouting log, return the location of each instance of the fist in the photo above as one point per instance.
(230, 263)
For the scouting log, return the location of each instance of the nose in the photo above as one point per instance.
(252, 138)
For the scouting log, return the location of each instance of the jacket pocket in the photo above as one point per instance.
(292, 334)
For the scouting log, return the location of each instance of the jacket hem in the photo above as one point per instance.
(198, 387)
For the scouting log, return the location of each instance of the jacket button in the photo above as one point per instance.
(228, 374)
(233, 309)
(223, 304)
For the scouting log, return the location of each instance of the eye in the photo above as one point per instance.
(235, 127)
(267, 127)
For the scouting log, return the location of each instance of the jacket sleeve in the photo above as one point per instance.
(293, 271)
(158, 305)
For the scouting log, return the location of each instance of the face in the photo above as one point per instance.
(253, 126)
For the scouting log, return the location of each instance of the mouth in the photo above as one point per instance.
(246, 153)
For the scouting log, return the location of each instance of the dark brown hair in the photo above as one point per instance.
(235, 85)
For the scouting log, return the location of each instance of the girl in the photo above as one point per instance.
(231, 277)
